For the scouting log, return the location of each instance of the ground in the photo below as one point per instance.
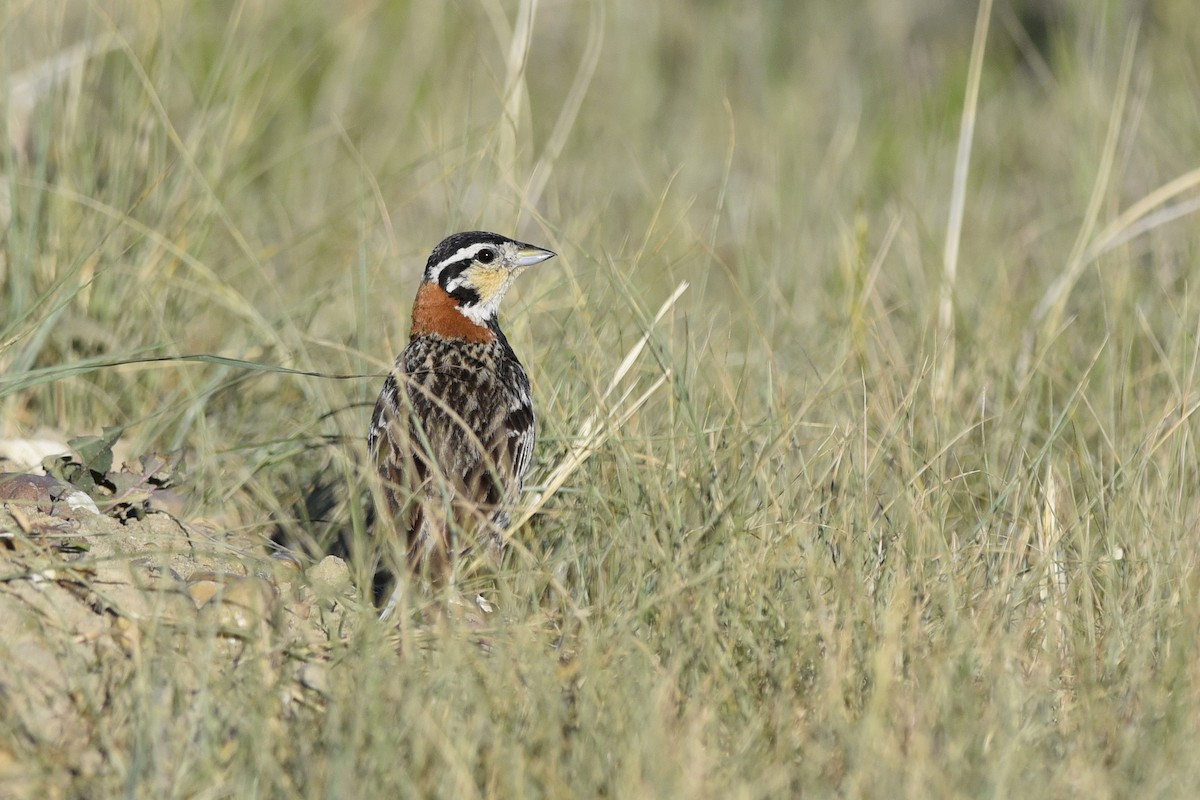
(82, 593)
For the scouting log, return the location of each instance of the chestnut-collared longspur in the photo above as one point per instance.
(453, 429)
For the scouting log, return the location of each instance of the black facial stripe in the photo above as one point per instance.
(452, 271)
(465, 295)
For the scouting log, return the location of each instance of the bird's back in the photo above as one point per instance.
(457, 419)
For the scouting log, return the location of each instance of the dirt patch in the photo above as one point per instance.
(84, 598)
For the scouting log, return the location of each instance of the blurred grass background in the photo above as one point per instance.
(887, 529)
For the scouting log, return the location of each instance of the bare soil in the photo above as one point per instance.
(84, 598)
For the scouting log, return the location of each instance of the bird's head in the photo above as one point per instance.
(470, 273)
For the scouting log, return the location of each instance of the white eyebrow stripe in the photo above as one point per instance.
(463, 253)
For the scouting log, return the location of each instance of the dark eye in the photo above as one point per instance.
(486, 256)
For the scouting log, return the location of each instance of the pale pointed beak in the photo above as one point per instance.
(529, 255)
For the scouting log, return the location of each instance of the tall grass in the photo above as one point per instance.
(791, 549)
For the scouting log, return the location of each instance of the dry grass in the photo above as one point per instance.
(882, 507)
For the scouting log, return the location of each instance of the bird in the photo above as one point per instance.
(453, 430)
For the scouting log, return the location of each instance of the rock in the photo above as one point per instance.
(331, 576)
(315, 676)
(244, 606)
(202, 590)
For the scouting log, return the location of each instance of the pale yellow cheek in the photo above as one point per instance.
(489, 282)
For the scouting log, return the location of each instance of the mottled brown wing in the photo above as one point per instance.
(453, 434)
(492, 484)
(522, 435)
(401, 467)
(437, 431)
